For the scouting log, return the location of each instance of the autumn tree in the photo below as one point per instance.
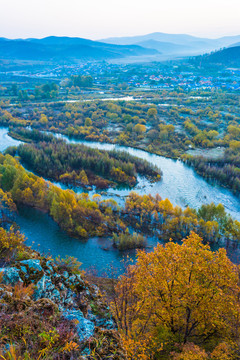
(83, 177)
(7, 208)
(88, 122)
(140, 129)
(10, 243)
(177, 294)
(43, 119)
(152, 112)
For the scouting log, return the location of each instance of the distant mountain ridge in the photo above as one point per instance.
(158, 36)
(149, 47)
(236, 44)
(179, 43)
(163, 46)
(67, 48)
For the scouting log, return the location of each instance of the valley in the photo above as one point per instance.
(124, 173)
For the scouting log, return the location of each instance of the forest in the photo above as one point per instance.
(75, 213)
(170, 123)
(178, 300)
(84, 217)
(157, 216)
(226, 169)
(82, 165)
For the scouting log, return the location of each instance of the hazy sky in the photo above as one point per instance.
(97, 19)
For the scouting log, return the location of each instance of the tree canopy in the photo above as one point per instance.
(175, 295)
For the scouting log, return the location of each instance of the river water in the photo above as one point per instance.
(179, 183)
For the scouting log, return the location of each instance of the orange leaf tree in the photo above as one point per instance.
(177, 294)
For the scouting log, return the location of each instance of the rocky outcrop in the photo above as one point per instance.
(60, 288)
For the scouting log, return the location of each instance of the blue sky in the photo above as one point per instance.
(97, 19)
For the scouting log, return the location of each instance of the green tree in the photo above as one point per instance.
(88, 122)
(152, 112)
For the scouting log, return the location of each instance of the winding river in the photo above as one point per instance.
(179, 183)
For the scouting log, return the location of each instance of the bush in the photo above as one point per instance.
(70, 264)
(127, 241)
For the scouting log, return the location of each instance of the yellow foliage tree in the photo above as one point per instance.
(177, 294)
(140, 129)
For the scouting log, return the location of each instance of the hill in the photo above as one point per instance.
(226, 57)
(66, 49)
(175, 43)
(157, 36)
(163, 47)
(235, 44)
(229, 40)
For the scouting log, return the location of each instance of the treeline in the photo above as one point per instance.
(75, 213)
(79, 164)
(203, 121)
(43, 92)
(81, 81)
(225, 170)
(127, 123)
(205, 139)
(156, 216)
(85, 217)
(26, 135)
(46, 91)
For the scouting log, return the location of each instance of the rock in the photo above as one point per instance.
(99, 321)
(10, 276)
(43, 286)
(49, 264)
(78, 277)
(64, 292)
(72, 280)
(57, 276)
(61, 286)
(30, 271)
(85, 327)
(65, 274)
(46, 288)
(55, 296)
(32, 265)
(87, 352)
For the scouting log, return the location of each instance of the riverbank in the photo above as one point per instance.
(179, 183)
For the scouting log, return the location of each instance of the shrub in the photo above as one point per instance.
(127, 241)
